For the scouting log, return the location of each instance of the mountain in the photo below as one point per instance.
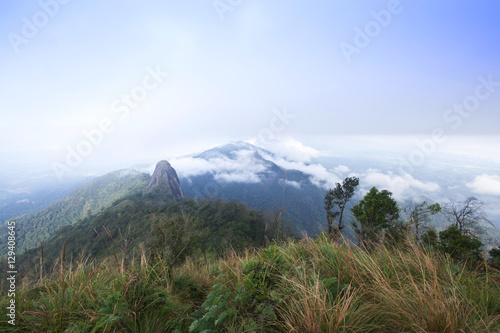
(91, 198)
(230, 149)
(125, 227)
(236, 171)
(246, 173)
(165, 177)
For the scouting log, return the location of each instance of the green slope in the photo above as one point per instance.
(129, 220)
(99, 193)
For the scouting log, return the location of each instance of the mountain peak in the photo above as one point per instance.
(165, 176)
(229, 149)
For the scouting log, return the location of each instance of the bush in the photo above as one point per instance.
(460, 246)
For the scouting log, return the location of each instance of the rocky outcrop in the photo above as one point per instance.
(165, 177)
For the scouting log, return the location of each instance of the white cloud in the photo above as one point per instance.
(290, 149)
(401, 187)
(341, 169)
(318, 175)
(243, 167)
(237, 177)
(292, 183)
(485, 184)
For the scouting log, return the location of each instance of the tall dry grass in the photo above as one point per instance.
(300, 286)
(409, 289)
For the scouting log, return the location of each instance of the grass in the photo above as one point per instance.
(301, 286)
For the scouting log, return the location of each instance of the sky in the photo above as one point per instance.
(117, 82)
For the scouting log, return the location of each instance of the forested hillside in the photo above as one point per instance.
(145, 221)
(303, 206)
(89, 199)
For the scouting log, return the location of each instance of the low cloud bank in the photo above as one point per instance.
(246, 166)
(485, 184)
(242, 167)
(402, 187)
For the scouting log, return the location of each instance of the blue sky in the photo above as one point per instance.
(226, 77)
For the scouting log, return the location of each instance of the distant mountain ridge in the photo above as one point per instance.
(236, 171)
(261, 188)
(229, 149)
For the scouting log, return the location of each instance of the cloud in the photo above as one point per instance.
(243, 167)
(485, 184)
(341, 169)
(237, 177)
(318, 175)
(401, 187)
(128, 172)
(292, 183)
(290, 149)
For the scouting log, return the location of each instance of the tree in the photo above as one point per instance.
(374, 213)
(460, 246)
(338, 198)
(419, 214)
(466, 214)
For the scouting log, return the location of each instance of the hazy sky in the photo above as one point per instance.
(242, 70)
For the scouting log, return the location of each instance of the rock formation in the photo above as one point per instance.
(165, 177)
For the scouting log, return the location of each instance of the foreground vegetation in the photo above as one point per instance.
(295, 286)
